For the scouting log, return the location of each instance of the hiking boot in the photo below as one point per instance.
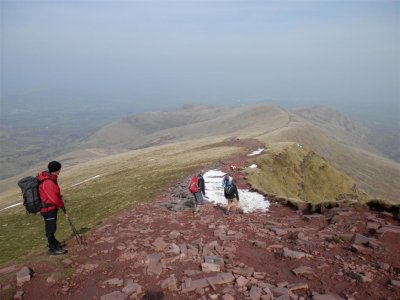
(60, 244)
(57, 251)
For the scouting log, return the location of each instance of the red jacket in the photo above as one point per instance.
(49, 192)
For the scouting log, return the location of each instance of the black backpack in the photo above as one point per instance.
(30, 192)
(229, 189)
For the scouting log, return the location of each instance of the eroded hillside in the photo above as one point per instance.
(378, 176)
(292, 170)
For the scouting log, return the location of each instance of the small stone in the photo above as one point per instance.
(159, 244)
(227, 297)
(173, 248)
(174, 234)
(255, 293)
(395, 282)
(260, 244)
(24, 275)
(170, 284)
(303, 270)
(67, 262)
(359, 277)
(259, 275)
(214, 260)
(51, 279)
(277, 292)
(282, 284)
(121, 247)
(359, 239)
(297, 286)
(279, 231)
(132, 288)
(114, 281)
(241, 281)
(117, 295)
(384, 266)
(294, 254)
(326, 297)
(358, 249)
(18, 295)
(209, 267)
(191, 272)
(199, 291)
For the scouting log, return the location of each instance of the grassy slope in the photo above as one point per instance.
(126, 179)
(291, 170)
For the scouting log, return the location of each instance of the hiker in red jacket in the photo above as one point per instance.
(51, 199)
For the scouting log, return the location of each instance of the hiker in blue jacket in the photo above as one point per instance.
(226, 180)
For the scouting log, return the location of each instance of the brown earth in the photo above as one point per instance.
(151, 252)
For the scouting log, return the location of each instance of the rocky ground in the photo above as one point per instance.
(162, 250)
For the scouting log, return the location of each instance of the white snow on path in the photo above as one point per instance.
(86, 180)
(13, 205)
(248, 201)
(258, 151)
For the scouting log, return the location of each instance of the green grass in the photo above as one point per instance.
(293, 171)
(126, 179)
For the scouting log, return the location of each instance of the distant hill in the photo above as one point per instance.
(157, 128)
(336, 125)
(379, 139)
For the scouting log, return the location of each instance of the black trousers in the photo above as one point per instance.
(50, 228)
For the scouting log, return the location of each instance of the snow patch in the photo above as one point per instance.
(249, 201)
(253, 166)
(258, 151)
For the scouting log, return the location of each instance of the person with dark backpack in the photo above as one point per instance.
(230, 193)
(201, 183)
(51, 200)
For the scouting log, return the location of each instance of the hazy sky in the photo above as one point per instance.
(205, 51)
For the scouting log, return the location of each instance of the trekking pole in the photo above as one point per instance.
(78, 237)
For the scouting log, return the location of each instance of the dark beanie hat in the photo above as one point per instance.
(54, 166)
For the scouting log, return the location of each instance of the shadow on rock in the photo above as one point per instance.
(153, 295)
